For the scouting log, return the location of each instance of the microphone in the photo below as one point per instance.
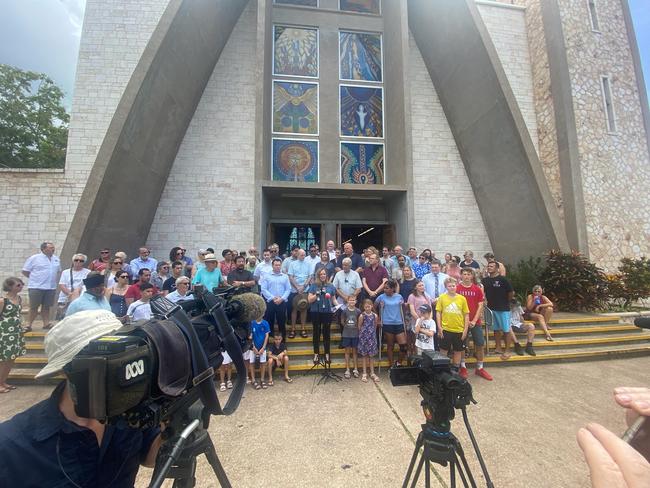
(246, 307)
(642, 322)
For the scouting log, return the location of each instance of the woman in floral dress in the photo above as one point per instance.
(12, 342)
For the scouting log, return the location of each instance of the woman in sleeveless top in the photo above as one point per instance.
(115, 294)
(12, 341)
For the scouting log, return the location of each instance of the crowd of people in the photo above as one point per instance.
(410, 299)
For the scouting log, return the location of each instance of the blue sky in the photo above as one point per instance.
(43, 35)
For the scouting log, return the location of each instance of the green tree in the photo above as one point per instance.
(33, 122)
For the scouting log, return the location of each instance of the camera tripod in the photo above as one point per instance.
(177, 457)
(444, 448)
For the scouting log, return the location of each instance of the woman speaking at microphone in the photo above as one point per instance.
(321, 296)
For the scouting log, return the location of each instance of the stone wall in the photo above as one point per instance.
(545, 114)
(446, 217)
(209, 197)
(615, 166)
(39, 205)
(507, 27)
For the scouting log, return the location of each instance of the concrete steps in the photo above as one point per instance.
(576, 338)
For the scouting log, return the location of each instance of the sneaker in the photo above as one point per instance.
(529, 349)
(484, 374)
(463, 372)
(518, 349)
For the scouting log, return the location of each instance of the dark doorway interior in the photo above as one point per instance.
(289, 235)
(363, 236)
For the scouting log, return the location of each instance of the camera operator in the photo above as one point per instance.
(613, 463)
(50, 445)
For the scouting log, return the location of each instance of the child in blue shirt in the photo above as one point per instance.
(260, 330)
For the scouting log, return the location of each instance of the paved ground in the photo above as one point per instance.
(356, 434)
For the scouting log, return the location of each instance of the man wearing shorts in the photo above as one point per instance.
(452, 313)
(498, 293)
(43, 271)
(474, 296)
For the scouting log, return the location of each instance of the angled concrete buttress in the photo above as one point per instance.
(121, 196)
(505, 173)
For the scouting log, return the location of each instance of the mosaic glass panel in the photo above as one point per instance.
(365, 6)
(361, 111)
(362, 164)
(295, 160)
(295, 107)
(295, 51)
(360, 56)
(304, 3)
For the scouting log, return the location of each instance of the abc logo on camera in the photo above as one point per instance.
(133, 371)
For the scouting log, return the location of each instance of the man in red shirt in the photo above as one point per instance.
(475, 298)
(374, 278)
(134, 292)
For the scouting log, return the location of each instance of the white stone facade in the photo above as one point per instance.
(209, 196)
(615, 166)
(446, 216)
(507, 27)
(39, 205)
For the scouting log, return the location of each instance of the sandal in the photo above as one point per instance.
(355, 373)
(364, 378)
(229, 385)
(4, 390)
(374, 377)
(347, 374)
(48, 326)
(271, 383)
(288, 380)
(27, 329)
(303, 334)
(248, 381)
(222, 387)
(549, 338)
(264, 385)
(256, 385)
(316, 359)
(505, 356)
(292, 335)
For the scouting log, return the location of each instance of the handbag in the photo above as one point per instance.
(74, 294)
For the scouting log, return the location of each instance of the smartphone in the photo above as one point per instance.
(638, 436)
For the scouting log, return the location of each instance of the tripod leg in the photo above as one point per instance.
(427, 474)
(461, 455)
(213, 459)
(418, 445)
(417, 472)
(186, 478)
(455, 462)
(452, 474)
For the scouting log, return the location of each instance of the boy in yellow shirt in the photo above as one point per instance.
(452, 313)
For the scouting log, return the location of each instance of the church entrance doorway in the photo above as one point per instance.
(364, 236)
(289, 235)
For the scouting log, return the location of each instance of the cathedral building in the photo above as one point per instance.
(513, 126)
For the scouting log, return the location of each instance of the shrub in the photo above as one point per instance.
(635, 275)
(616, 291)
(524, 275)
(573, 283)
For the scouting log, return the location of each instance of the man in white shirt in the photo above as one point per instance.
(434, 282)
(43, 271)
(347, 282)
(264, 267)
(314, 257)
(331, 249)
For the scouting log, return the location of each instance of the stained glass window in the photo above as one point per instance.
(300, 236)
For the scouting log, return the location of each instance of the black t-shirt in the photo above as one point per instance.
(243, 275)
(357, 261)
(170, 284)
(277, 350)
(497, 290)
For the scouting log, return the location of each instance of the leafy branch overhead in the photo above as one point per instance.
(33, 121)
